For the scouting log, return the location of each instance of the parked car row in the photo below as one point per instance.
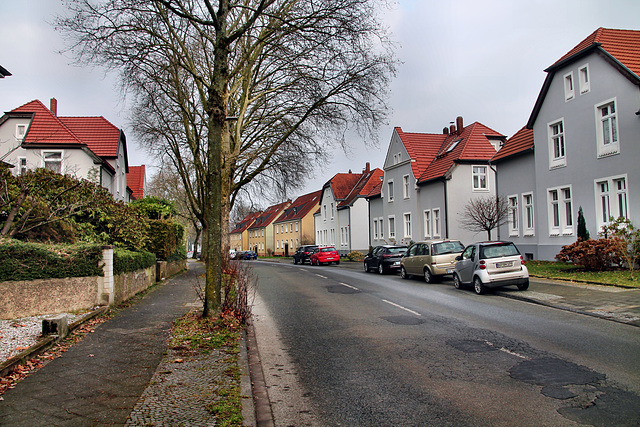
(483, 265)
(244, 255)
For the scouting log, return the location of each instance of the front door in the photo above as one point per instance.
(286, 249)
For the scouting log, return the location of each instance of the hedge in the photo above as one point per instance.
(164, 238)
(29, 261)
(125, 261)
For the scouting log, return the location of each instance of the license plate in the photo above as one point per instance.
(504, 264)
(449, 271)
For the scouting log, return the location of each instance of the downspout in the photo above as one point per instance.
(495, 172)
(446, 209)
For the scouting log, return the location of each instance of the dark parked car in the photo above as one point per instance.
(246, 255)
(303, 253)
(384, 258)
(490, 265)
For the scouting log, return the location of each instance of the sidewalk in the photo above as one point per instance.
(99, 380)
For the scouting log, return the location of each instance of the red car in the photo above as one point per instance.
(324, 254)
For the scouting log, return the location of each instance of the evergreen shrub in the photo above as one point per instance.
(125, 261)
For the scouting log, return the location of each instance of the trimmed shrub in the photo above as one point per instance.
(29, 261)
(164, 236)
(355, 256)
(125, 261)
(593, 255)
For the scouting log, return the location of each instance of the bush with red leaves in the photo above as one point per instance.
(592, 254)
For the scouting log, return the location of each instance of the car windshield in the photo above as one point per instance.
(447, 248)
(397, 250)
(328, 250)
(499, 250)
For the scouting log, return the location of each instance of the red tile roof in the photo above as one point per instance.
(422, 148)
(269, 215)
(98, 133)
(472, 144)
(246, 222)
(521, 142)
(623, 45)
(135, 181)
(363, 187)
(342, 184)
(45, 127)
(301, 206)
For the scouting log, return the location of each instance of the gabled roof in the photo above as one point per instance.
(301, 206)
(342, 183)
(362, 188)
(46, 127)
(422, 148)
(269, 215)
(520, 142)
(98, 133)
(135, 181)
(621, 48)
(246, 222)
(472, 144)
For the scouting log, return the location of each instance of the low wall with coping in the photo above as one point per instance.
(128, 284)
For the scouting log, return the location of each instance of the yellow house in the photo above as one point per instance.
(261, 231)
(239, 236)
(296, 226)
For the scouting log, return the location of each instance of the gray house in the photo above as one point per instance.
(580, 148)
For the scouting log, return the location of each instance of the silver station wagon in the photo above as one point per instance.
(431, 259)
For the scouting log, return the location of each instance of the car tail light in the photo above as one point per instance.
(482, 264)
(521, 260)
(386, 256)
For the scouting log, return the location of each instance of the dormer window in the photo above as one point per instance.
(568, 87)
(21, 131)
(452, 146)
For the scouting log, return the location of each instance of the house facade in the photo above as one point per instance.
(34, 136)
(428, 180)
(342, 219)
(239, 236)
(261, 233)
(295, 227)
(586, 145)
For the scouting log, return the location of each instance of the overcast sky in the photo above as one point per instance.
(483, 60)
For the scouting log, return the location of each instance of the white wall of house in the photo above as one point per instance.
(358, 225)
(588, 174)
(376, 222)
(327, 221)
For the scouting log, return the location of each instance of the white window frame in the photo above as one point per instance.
(405, 186)
(324, 212)
(560, 208)
(612, 202)
(514, 215)
(375, 228)
(612, 147)
(21, 131)
(407, 224)
(427, 223)
(332, 211)
(22, 165)
(557, 158)
(390, 191)
(477, 175)
(392, 226)
(44, 160)
(569, 86)
(584, 78)
(528, 215)
(381, 223)
(437, 226)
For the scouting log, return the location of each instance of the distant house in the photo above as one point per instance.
(261, 232)
(428, 180)
(92, 148)
(239, 236)
(581, 146)
(343, 218)
(295, 226)
(136, 181)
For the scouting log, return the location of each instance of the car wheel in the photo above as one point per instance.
(366, 267)
(403, 273)
(295, 260)
(524, 286)
(380, 269)
(428, 277)
(457, 283)
(337, 262)
(478, 286)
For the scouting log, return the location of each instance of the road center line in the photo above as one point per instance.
(320, 275)
(401, 307)
(349, 286)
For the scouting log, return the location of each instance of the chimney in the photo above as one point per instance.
(367, 168)
(459, 125)
(445, 131)
(452, 129)
(54, 106)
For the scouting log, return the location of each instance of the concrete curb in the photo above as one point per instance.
(246, 394)
(44, 344)
(263, 412)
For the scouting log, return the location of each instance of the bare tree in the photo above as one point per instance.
(232, 90)
(484, 214)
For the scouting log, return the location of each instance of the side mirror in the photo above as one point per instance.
(459, 258)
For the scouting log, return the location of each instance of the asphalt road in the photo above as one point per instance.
(345, 348)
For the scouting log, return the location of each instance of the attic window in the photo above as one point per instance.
(21, 130)
(452, 146)
(568, 87)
